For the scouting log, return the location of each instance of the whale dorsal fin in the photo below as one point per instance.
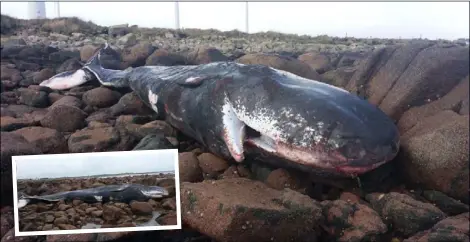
(194, 81)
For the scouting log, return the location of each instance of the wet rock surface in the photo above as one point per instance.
(77, 214)
(422, 195)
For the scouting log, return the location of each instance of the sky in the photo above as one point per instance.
(87, 164)
(432, 20)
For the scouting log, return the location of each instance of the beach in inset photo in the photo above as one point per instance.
(96, 192)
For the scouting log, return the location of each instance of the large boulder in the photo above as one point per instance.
(451, 101)
(435, 154)
(319, 62)
(204, 55)
(246, 210)
(397, 78)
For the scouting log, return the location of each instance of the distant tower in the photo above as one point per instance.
(57, 9)
(177, 16)
(36, 10)
(246, 18)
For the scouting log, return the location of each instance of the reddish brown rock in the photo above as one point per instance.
(243, 171)
(189, 168)
(465, 108)
(406, 215)
(50, 141)
(450, 101)
(432, 73)
(112, 213)
(317, 61)
(162, 57)
(97, 125)
(43, 75)
(130, 104)
(14, 144)
(113, 236)
(238, 210)
(143, 208)
(211, 164)
(33, 98)
(350, 197)
(93, 140)
(169, 203)
(20, 110)
(72, 64)
(282, 63)
(454, 228)
(430, 123)
(204, 55)
(10, 237)
(71, 237)
(385, 78)
(280, 179)
(436, 157)
(133, 125)
(358, 84)
(6, 220)
(350, 221)
(11, 145)
(137, 54)
(87, 51)
(102, 115)
(4, 112)
(64, 118)
(231, 172)
(445, 203)
(168, 219)
(8, 73)
(101, 97)
(339, 77)
(66, 101)
(9, 123)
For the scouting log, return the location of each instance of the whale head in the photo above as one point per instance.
(309, 123)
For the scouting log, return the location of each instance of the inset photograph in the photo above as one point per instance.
(96, 192)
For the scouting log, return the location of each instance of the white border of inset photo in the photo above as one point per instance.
(154, 153)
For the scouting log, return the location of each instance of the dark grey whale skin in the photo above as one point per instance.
(118, 193)
(364, 134)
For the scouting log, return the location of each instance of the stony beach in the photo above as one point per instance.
(79, 215)
(422, 195)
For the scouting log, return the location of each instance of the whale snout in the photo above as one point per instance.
(365, 147)
(358, 160)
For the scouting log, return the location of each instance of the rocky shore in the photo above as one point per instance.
(79, 215)
(423, 85)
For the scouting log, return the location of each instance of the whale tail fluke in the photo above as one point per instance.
(107, 77)
(23, 202)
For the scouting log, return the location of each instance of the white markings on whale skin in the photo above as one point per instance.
(98, 198)
(153, 99)
(234, 131)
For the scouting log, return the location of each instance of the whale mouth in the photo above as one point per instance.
(318, 159)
